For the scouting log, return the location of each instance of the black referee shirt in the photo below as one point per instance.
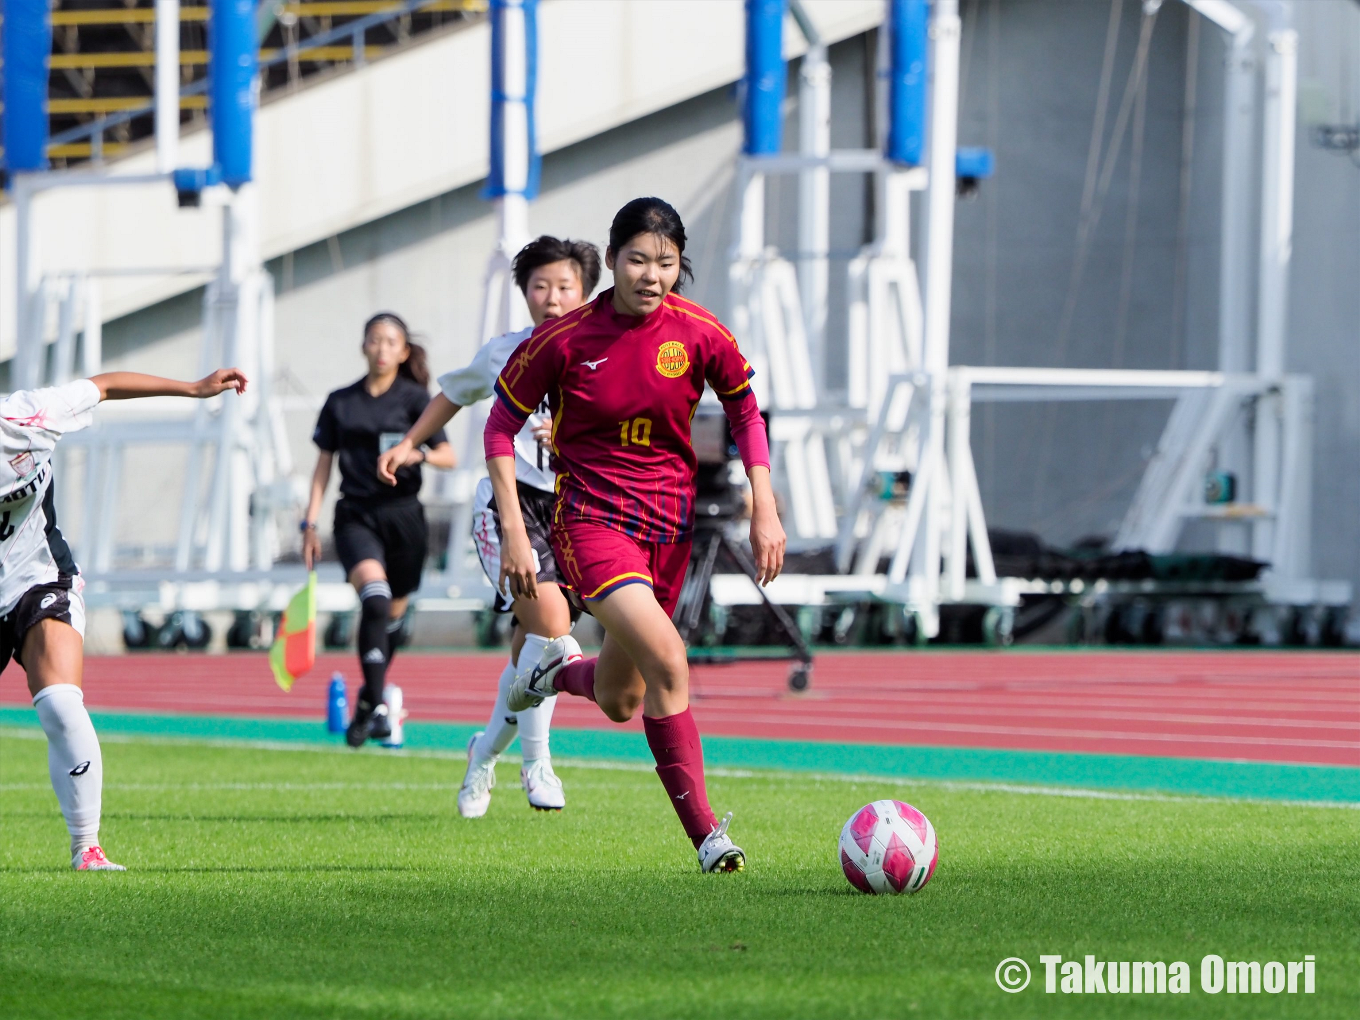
(359, 427)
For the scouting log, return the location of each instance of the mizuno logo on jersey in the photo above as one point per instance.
(81, 769)
(592, 365)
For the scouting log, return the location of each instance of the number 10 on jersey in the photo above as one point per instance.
(636, 432)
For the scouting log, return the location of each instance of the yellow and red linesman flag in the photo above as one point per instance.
(294, 650)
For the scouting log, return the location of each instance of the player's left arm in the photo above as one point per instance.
(730, 376)
(767, 533)
(129, 385)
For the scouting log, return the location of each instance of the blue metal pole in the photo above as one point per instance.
(231, 87)
(762, 115)
(505, 94)
(907, 26)
(27, 43)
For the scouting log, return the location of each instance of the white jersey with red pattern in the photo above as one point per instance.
(477, 381)
(32, 550)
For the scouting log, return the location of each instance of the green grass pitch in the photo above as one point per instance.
(289, 883)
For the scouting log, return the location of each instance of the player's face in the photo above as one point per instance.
(385, 348)
(553, 290)
(645, 270)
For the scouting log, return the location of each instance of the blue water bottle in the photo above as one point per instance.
(337, 705)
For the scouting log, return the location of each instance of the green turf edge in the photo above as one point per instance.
(1237, 779)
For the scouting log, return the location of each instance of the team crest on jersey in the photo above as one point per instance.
(672, 360)
(22, 464)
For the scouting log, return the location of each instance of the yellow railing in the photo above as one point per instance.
(125, 16)
(338, 9)
(187, 58)
(114, 104)
(84, 150)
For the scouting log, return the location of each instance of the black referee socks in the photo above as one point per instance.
(394, 637)
(375, 602)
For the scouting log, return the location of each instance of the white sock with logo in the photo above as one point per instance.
(502, 727)
(534, 722)
(73, 761)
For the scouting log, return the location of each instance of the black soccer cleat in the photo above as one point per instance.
(360, 725)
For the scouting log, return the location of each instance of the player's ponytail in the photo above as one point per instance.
(416, 367)
(651, 216)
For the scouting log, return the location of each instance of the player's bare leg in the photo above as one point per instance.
(643, 662)
(53, 657)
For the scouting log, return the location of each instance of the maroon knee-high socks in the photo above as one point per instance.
(674, 741)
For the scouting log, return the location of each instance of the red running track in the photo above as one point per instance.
(1261, 706)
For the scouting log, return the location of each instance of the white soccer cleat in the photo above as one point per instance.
(474, 796)
(718, 853)
(533, 685)
(93, 859)
(542, 786)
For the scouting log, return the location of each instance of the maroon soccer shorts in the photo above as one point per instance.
(596, 560)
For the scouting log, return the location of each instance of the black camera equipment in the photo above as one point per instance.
(719, 504)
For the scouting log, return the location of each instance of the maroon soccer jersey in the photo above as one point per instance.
(622, 390)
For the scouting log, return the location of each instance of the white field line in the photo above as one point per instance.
(618, 766)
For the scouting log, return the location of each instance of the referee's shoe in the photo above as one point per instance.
(369, 721)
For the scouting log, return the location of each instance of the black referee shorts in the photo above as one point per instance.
(393, 532)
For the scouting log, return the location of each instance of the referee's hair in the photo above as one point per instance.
(546, 249)
(416, 367)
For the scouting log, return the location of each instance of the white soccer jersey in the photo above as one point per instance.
(477, 381)
(32, 550)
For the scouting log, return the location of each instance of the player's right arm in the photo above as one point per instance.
(457, 389)
(129, 385)
(438, 413)
(520, 388)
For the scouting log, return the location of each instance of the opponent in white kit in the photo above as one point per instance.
(42, 611)
(556, 277)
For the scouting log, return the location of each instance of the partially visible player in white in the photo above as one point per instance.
(42, 610)
(556, 277)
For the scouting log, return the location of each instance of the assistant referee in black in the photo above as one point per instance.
(380, 532)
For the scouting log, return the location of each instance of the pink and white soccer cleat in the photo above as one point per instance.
(718, 852)
(93, 859)
(536, 683)
(543, 787)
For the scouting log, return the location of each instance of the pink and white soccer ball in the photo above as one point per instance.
(888, 847)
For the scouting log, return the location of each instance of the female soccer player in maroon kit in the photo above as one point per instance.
(623, 375)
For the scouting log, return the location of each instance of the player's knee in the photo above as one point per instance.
(620, 707)
(671, 670)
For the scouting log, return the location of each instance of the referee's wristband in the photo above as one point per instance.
(307, 526)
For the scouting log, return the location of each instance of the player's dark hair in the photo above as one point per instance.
(416, 366)
(651, 216)
(545, 250)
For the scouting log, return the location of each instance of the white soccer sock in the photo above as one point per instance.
(534, 722)
(501, 728)
(73, 760)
